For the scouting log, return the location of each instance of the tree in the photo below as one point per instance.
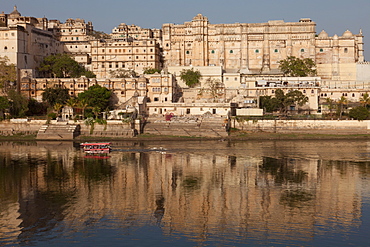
(4, 105)
(18, 104)
(214, 88)
(55, 95)
(63, 66)
(292, 66)
(36, 108)
(341, 102)
(365, 100)
(151, 71)
(96, 96)
(330, 103)
(7, 71)
(359, 113)
(190, 77)
(269, 104)
(82, 103)
(283, 101)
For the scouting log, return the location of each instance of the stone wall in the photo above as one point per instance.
(304, 126)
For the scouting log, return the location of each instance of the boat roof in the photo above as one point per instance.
(95, 143)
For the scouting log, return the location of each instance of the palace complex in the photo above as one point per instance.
(240, 58)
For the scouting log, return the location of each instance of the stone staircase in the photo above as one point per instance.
(192, 127)
(58, 132)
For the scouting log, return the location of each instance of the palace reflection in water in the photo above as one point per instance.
(204, 191)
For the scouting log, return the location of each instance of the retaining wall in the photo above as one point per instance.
(305, 126)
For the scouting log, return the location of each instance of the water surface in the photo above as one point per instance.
(186, 193)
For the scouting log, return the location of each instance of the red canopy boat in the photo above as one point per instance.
(96, 147)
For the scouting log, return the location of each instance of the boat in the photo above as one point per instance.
(96, 147)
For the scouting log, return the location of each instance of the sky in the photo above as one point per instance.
(333, 16)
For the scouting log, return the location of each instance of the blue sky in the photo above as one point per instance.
(335, 16)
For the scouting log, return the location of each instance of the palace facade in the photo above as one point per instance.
(237, 57)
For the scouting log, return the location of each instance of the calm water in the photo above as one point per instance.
(189, 193)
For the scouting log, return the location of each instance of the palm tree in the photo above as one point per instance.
(72, 102)
(57, 107)
(330, 103)
(82, 103)
(341, 102)
(96, 111)
(365, 100)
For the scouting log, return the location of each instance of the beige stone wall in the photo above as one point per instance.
(305, 126)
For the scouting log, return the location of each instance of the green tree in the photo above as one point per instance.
(151, 71)
(18, 104)
(341, 103)
(359, 113)
(190, 77)
(7, 71)
(365, 100)
(4, 105)
(293, 66)
(282, 101)
(96, 96)
(330, 103)
(82, 103)
(36, 108)
(63, 66)
(269, 103)
(55, 95)
(57, 107)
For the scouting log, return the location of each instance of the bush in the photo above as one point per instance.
(52, 115)
(359, 113)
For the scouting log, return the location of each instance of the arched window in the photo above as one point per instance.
(257, 51)
(345, 50)
(231, 51)
(302, 50)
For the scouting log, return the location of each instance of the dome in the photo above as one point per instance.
(323, 34)
(347, 34)
(15, 12)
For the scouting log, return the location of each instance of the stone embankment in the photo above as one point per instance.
(339, 127)
(206, 127)
(192, 126)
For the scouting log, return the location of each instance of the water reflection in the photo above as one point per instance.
(208, 192)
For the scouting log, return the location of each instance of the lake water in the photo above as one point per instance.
(186, 193)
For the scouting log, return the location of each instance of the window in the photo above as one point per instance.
(257, 51)
(187, 52)
(213, 51)
(276, 50)
(321, 50)
(345, 50)
(231, 51)
(302, 50)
